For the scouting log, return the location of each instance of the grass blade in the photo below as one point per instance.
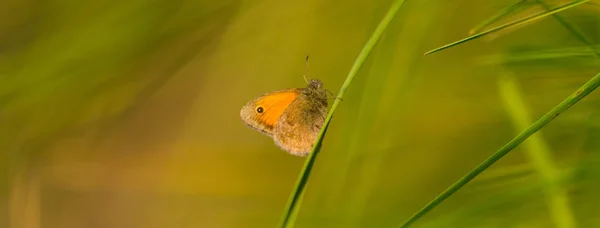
(538, 153)
(502, 13)
(293, 204)
(583, 91)
(511, 24)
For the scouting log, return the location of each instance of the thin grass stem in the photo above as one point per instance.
(511, 24)
(288, 217)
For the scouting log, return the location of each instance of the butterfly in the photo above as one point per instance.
(292, 117)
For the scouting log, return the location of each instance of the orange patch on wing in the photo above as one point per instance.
(274, 105)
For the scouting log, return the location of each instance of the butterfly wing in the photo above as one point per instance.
(263, 113)
(298, 127)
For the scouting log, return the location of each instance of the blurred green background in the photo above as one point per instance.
(126, 114)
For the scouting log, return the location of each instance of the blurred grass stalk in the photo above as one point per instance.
(24, 199)
(537, 151)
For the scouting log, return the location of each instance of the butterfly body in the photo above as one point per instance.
(292, 117)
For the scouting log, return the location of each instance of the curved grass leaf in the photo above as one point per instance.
(583, 91)
(511, 24)
(289, 214)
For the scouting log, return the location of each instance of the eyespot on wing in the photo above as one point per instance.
(263, 112)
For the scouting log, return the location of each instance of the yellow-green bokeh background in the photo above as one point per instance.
(126, 114)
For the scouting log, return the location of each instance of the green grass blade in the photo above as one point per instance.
(538, 153)
(583, 91)
(502, 13)
(511, 24)
(293, 204)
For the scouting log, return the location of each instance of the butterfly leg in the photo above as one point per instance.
(331, 95)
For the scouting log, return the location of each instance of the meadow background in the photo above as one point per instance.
(126, 114)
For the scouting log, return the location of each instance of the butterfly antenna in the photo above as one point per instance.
(306, 69)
